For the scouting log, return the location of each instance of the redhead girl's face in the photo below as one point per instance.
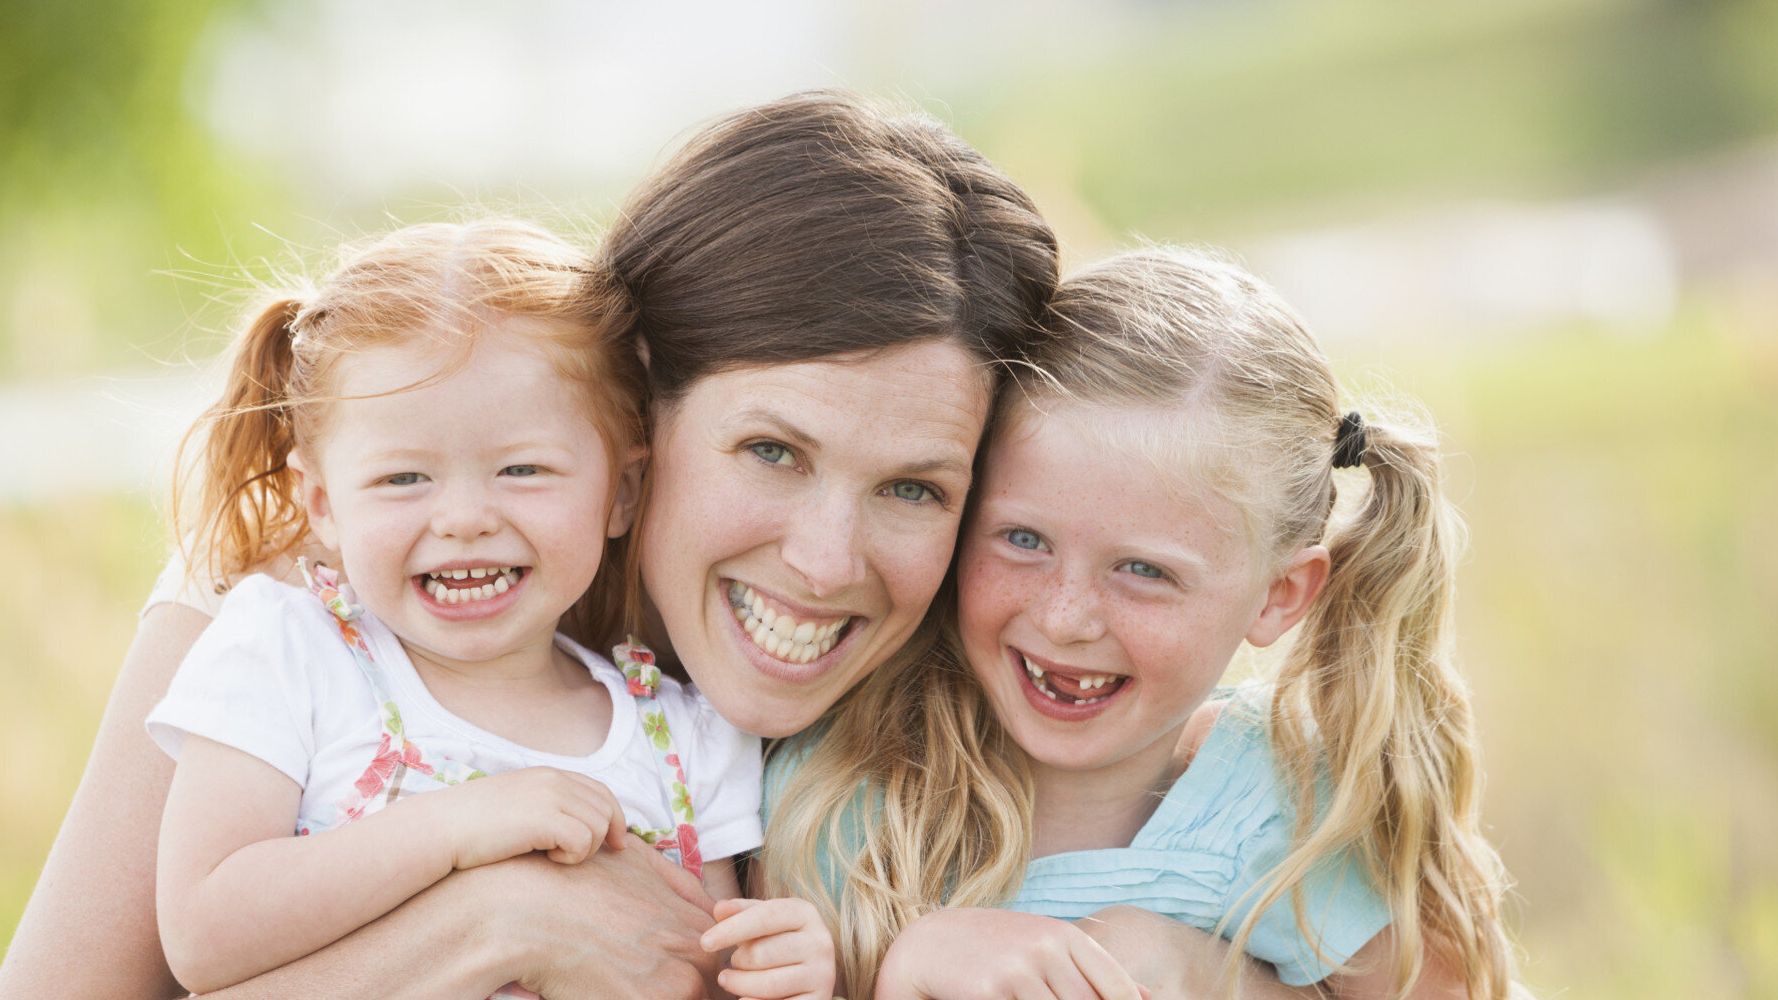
(1099, 605)
(496, 472)
(802, 516)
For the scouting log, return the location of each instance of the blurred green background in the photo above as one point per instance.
(1553, 222)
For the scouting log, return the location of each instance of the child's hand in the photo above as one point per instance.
(980, 954)
(782, 949)
(536, 809)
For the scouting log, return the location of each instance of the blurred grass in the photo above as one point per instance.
(1615, 623)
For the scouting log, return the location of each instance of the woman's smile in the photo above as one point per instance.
(792, 543)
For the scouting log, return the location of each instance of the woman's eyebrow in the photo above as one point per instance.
(790, 432)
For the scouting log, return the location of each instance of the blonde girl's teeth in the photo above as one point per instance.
(487, 591)
(501, 585)
(805, 633)
(478, 573)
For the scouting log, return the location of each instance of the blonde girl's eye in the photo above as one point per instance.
(1146, 570)
(520, 471)
(1024, 538)
(404, 479)
(914, 491)
(771, 452)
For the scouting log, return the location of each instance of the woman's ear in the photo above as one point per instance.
(629, 493)
(313, 494)
(1291, 594)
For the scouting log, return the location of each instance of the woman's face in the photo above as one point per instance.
(801, 518)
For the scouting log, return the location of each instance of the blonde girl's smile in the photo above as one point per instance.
(1064, 692)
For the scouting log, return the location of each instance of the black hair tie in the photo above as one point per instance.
(1349, 442)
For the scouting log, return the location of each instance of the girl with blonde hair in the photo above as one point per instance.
(1160, 491)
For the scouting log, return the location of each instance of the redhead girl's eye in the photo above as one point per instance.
(520, 470)
(913, 492)
(1146, 570)
(1024, 538)
(771, 452)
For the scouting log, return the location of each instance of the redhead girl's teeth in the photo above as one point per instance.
(441, 584)
(780, 633)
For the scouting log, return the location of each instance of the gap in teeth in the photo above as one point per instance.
(781, 634)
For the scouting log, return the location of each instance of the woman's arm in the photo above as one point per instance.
(621, 924)
(89, 929)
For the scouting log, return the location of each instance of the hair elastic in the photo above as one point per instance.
(1350, 442)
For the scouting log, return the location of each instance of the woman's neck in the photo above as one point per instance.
(1105, 807)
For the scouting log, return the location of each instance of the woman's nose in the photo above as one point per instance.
(822, 544)
(1068, 611)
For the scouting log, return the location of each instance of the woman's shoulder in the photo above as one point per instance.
(190, 581)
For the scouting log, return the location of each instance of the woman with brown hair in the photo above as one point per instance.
(823, 289)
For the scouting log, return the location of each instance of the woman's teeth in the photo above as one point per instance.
(1089, 682)
(778, 633)
(445, 589)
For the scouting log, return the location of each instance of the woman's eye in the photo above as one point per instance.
(403, 479)
(1147, 570)
(913, 492)
(771, 452)
(1024, 538)
(520, 470)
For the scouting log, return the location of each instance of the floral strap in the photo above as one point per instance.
(643, 679)
(396, 755)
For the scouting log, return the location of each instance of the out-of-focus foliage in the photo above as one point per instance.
(106, 177)
(1261, 115)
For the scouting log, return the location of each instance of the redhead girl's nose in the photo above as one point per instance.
(822, 545)
(464, 512)
(1068, 612)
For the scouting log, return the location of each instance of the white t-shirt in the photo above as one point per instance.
(272, 677)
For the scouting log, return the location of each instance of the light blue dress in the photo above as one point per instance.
(1220, 829)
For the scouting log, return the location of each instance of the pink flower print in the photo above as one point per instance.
(690, 858)
(642, 654)
(382, 766)
(636, 688)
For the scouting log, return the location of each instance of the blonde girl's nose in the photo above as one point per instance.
(1068, 611)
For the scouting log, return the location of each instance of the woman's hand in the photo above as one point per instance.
(782, 950)
(980, 954)
(620, 924)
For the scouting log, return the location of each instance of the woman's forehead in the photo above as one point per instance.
(928, 391)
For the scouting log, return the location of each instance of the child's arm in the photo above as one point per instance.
(1174, 961)
(237, 894)
(968, 953)
(782, 950)
(1372, 975)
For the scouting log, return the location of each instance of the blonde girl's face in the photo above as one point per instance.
(470, 512)
(1099, 604)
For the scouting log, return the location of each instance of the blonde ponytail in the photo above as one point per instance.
(1368, 696)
